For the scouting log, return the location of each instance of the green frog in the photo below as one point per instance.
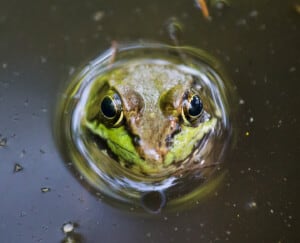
(151, 115)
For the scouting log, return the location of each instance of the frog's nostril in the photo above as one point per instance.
(136, 140)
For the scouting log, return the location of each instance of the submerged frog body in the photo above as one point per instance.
(151, 115)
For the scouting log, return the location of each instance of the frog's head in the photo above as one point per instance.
(150, 115)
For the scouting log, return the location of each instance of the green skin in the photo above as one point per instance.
(152, 100)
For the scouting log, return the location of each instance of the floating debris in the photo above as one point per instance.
(203, 6)
(216, 4)
(70, 235)
(253, 14)
(174, 29)
(22, 154)
(45, 189)
(44, 110)
(3, 142)
(114, 47)
(251, 205)
(69, 239)
(72, 70)
(98, 16)
(18, 168)
(73, 237)
(68, 227)
(220, 4)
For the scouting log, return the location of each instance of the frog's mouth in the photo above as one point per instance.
(119, 146)
(128, 158)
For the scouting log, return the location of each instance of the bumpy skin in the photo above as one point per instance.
(152, 97)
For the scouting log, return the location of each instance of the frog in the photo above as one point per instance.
(150, 115)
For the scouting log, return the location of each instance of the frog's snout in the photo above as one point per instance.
(153, 136)
(152, 154)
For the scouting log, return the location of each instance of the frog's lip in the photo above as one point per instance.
(158, 165)
(137, 153)
(147, 162)
(158, 169)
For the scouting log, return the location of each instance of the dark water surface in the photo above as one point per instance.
(43, 42)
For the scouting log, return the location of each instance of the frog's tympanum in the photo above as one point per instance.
(151, 116)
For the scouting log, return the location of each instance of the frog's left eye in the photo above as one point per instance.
(111, 112)
(192, 108)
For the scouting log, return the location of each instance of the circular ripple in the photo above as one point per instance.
(172, 185)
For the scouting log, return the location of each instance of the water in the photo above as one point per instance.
(256, 41)
(122, 180)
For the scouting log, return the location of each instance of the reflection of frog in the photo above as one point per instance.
(151, 115)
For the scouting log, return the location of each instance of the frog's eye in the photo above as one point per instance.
(192, 108)
(111, 112)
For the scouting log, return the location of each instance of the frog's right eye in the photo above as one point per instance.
(192, 108)
(111, 112)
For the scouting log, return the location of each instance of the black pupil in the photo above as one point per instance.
(108, 107)
(196, 106)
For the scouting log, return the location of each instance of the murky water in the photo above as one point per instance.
(124, 180)
(43, 42)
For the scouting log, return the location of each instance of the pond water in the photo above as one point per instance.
(44, 42)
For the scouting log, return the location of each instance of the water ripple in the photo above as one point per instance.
(194, 177)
